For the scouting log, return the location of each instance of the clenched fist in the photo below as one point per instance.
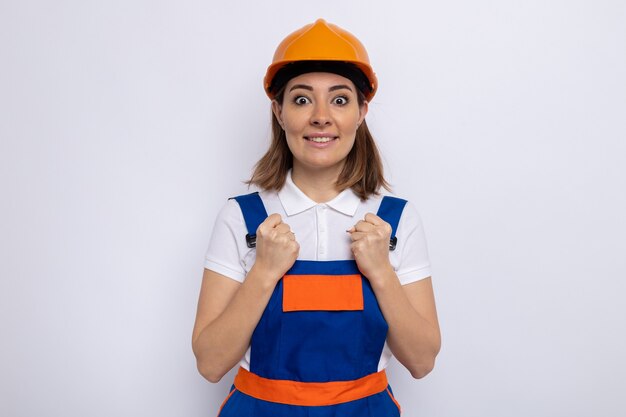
(370, 246)
(276, 247)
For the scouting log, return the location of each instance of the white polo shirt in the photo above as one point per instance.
(320, 229)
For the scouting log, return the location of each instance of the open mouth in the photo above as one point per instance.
(320, 139)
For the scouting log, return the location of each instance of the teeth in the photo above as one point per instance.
(321, 139)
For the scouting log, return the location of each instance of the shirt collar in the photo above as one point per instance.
(294, 201)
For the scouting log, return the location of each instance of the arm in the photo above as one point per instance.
(409, 310)
(228, 311)
(414, 336)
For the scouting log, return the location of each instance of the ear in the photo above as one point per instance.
(277, 109)
(363, 111)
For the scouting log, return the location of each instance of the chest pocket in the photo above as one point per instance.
(322, 293)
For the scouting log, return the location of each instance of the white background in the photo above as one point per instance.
(125, 125)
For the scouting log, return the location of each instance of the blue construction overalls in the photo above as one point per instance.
(316, 348)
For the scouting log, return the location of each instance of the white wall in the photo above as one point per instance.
(125, 125)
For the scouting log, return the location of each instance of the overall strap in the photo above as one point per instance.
(390, 211)
(254, 214)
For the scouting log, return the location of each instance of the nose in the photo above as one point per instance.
(320, 115)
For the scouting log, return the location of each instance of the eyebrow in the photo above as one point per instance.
(309, 88)
(303, 86)
(339, 87)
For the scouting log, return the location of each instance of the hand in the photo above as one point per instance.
(370, 246)
(276, 248)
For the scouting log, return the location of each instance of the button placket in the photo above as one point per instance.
(322, 235)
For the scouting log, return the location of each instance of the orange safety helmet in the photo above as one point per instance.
(322, 42)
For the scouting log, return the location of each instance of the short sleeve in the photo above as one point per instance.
(227, 250)
(411, 255)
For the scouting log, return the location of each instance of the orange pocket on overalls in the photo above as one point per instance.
(322, 293)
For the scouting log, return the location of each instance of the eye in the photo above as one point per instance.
(340, 100)
(300, 100)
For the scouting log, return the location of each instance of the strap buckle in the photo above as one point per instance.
(251, 240)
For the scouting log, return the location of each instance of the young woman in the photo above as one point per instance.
(314, 283)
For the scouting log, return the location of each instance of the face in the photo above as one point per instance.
(320, 115)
